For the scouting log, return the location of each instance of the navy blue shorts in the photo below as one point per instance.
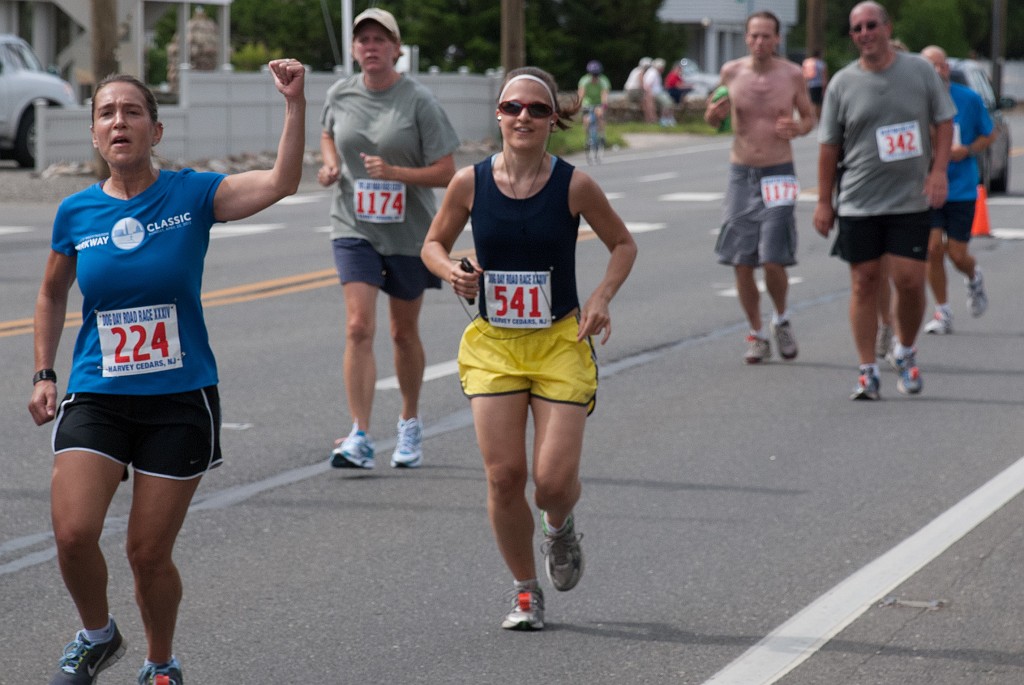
(399, 276)
(956, 219)
(864, 238)
(174, 436)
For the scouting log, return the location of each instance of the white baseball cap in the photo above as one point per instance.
(382, 17)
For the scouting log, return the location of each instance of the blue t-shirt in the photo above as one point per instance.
(972, 121)
(140, 270)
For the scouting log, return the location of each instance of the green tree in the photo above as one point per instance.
(933, 22)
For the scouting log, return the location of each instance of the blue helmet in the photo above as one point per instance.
(594, 67)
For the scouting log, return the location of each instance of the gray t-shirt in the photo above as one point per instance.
(405, 125)
(880, 121)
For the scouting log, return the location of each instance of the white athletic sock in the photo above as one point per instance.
(944, 310)
(521, 585)
(780, 318)
(102, 635)
(869, 369)
(759, 334)
(900, 350)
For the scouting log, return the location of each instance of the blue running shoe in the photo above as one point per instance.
(867, 386)
(909, 382)
(354, 452)
(83, 660)
(163, 674)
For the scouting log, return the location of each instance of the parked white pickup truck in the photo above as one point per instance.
(23, 82)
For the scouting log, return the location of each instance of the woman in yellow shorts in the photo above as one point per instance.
(529, 350)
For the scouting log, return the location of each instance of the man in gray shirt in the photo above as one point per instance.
(889, 120)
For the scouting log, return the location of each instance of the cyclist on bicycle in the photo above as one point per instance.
(593, 90)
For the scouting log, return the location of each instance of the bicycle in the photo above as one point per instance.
(594, 139)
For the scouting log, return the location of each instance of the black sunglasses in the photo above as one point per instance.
(866, 26)
(537, 110)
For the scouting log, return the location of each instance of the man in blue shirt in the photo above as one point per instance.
(951, 224)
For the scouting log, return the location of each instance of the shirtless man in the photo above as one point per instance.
(759, 226)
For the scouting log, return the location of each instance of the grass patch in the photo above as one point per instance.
(574, 140)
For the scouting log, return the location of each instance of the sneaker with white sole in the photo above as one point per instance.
(785, 341)
(409, 448)
(83, 660)
(758, 350)
(883, 344)
(977, 300)
(909, 382)
(527, 610)
(867, 386)
(354, 452)
(563, 556)
(940, 324)
(162, 674)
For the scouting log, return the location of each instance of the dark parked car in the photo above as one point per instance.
(994, 165)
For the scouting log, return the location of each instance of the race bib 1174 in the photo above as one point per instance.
(379, 202)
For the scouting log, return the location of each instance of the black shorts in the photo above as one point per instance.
(956, 219)
(174, 436)
(864, 238)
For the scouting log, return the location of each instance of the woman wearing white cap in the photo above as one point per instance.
(386, 144)
(529, 350)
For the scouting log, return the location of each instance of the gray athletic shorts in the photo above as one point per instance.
(753, 234)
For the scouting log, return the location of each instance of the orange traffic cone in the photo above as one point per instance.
(980, 228)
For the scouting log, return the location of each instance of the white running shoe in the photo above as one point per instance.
(409, 449)
(940, 324)
(354, 452)
(977, 300)
(527, 610)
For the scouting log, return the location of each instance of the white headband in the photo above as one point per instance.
(554, 102)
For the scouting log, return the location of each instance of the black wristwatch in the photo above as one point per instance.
(44, 375)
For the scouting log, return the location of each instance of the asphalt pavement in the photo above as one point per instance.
(745, 525)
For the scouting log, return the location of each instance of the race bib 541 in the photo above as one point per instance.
(518, 299)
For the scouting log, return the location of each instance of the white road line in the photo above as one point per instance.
(658, 177)
(304, 199)
(7, 230)
(1008, 233)
(800, 637)
(691, 197)
(239, 230)
(432, 372)
(731, 292)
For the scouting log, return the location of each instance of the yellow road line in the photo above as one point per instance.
(247, 292)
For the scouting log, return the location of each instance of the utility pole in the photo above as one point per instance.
(815, 26)
(998, 45)
(513, 35)
(104, 60)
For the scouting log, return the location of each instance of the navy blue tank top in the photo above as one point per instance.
(534, 234)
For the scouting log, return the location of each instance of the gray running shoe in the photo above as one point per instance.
(977, 300)
(909, 382)
(355, 452)
(167, 674)
(758, 350)
(940, 324)
(867, 387)
(409, 448)
(883, 345)
(563, 556)
(83, 660)
(527, 610)
(785, 340)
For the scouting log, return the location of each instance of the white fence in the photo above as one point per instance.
(225, 113)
